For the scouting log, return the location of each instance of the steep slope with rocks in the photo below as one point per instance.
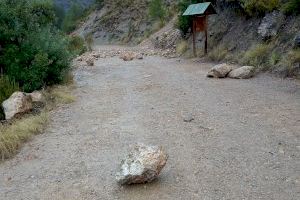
(268, 42)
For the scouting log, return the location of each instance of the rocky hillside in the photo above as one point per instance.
(269, 41)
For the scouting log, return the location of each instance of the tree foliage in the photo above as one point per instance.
(33, 52)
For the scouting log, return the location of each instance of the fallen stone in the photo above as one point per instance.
(37, 96)
(17, 103)
(142, 165)
(220, 71)
(127, 56)
(188, 118)
(90, 62)
(244, 72)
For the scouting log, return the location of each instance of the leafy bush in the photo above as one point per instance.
(291, 7)
(77, 45)
(257, 56)
(7, 87)
(259, 7)
(33, 53)
(157, 10)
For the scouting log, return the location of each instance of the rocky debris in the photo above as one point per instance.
(188, 118)
(297, 40)
(90, 61)
(270, 25)
(36, 96)
(167, 40)
(244, 72)
(142, 165)
(220, 71)
(17, 103)
(139, 57)
(127, 56)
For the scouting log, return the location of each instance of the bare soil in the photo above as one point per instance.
(242, 144)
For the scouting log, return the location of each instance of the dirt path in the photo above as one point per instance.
(243, 143)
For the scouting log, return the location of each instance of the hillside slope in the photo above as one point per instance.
(268, 42)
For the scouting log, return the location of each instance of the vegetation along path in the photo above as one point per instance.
(242, 144)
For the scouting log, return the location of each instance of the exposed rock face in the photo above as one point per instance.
(270, 25)
(244, 72)
(143, 164)
(37, 96)
(219, 71)
(17, 103)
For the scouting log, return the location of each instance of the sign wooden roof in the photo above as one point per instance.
(200, 9)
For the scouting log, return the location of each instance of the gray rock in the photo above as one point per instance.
(297, 40)
(219, 71)
(188, 118)
(142, 165)
(37, 96)
(244, 72)
(17, 103)
(270, 25)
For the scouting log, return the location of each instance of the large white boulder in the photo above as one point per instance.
(220, 71)
(17, 103)
(143, 164)
(244, 72)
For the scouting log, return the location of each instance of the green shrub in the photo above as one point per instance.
(33, 53)
(257, 56)
(291, 7)
(157, 10)
(7, 87)
(259, 7)
(70, 21)
(77, 45)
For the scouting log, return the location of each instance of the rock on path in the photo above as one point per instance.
(143, 164)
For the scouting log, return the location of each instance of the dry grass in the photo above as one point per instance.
(219, 53)
(257, 56)
(290, 61)
(60, 95)
(14, 135)
(182, 47)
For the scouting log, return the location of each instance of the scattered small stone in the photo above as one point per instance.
(90, 62)
(142, 165)
(188, 118)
